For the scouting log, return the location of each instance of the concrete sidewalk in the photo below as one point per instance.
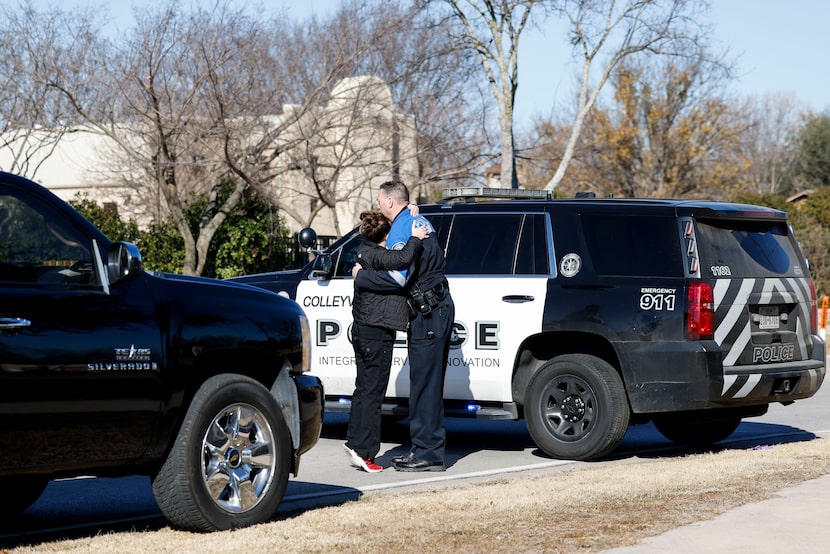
(795, 520)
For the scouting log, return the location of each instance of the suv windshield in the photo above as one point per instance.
(747, 249)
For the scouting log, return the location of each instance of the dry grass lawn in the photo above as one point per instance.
(586, 508)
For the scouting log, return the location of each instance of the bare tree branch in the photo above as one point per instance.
(492, 29)
(625, 29)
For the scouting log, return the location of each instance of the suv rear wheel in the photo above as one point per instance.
(229, 465)
(576, 407)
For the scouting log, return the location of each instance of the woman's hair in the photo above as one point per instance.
(374, 226)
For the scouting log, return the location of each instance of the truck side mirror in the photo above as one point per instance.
(123, 261)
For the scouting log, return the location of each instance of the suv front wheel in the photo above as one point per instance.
(576, 407)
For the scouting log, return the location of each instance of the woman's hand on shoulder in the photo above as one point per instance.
(419, 230)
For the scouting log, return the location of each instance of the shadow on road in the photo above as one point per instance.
(86, 507)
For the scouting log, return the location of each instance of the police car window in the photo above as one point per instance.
(483, 244)
(441, 224)
(745, 249)
(37, 245)
(346, 256)
(647, 246)
(532, 257)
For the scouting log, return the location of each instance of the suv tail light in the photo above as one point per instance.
(700, 314)
(813, 308)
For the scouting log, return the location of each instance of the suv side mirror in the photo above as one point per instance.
(123, 261)
(321, 266)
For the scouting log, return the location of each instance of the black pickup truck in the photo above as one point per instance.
(107, 369)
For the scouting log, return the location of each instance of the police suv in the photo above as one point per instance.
(586, 315)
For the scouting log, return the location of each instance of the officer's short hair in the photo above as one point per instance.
(397, 190)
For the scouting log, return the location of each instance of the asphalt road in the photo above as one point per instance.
(476, 450)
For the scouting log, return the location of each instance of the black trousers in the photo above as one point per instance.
(373, 356)
(429, 346)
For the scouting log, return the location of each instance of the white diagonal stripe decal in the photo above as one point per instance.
(728, 381)
(750, 384)
(802, 315)
(738, 346)
(775, 285)
(734, 313)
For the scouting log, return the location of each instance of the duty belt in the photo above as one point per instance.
(424, 300)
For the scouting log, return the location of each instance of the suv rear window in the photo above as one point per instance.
(636, 246)
(746, 249)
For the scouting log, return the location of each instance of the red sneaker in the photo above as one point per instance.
(367, 465)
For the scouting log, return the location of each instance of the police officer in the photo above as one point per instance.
(428, 336)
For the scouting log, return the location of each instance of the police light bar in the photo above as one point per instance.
(489, 192)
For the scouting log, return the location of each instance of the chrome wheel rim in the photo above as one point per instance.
(238, 458)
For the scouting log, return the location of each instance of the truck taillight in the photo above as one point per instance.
(813, 308)
(700, 311)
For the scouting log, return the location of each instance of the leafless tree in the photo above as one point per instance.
(180, 99)
(222, 101)
(33, 118)
(433, 78)
(604, 34)
(771, 122)
(431, 118)
(492, 29)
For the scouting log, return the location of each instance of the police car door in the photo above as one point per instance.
(327, 302)
(498, 265)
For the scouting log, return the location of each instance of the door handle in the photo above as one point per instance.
(13, 323)
(517, 298)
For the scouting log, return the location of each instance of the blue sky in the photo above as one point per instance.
(782, 47)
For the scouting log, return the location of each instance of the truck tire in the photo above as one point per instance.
(576, 407)
(696, 433)
(229, 465)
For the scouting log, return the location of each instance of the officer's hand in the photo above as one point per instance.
(413, 210)
(355, 269)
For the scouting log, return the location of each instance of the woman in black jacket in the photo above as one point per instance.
(378, 315)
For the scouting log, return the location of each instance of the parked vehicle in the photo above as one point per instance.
(585, 315)
(107, 369)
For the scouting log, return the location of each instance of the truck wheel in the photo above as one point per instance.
(696, 433)
(229, 465)
(576, 407)
(20, 492)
